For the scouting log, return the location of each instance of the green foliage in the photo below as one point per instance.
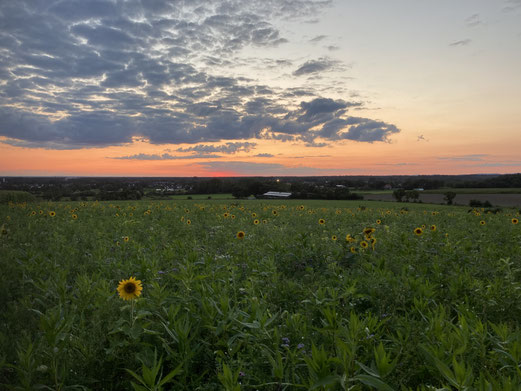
(295, 304)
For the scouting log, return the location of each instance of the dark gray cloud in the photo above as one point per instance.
(315, 66)
(228, 148)
(96, 73)
(462, 42)
(263, 155)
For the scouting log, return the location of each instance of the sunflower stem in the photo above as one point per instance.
(132, 313)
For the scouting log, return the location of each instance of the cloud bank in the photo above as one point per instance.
(94, 73)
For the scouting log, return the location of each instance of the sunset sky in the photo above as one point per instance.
(259, 87)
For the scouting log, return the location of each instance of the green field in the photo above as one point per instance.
(259, 295)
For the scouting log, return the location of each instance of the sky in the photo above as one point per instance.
(259, 87)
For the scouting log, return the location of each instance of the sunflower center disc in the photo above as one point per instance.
(130, 288)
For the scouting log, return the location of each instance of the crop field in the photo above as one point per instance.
(258, 295)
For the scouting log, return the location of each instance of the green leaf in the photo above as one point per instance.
(325, 381)
(374, 382)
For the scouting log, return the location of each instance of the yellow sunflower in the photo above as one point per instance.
(256, 222)
(378, 221)
(418, 231)
(254, 215)
(364, 244)
(433, 228)
(74, 216)
(52, 213)
(482, 222)
(321, 221)
(333, 237)
(368, 231)
(126, 238)
(130, 289)
(515, 221)
(240, 235)
(274, 212)
(353, 249)
(188, 222)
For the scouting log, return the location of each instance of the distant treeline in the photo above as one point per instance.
(330, 187)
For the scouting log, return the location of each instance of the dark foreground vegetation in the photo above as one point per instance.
(259, 295)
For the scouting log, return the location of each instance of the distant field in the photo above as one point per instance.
(514, 190)
(505, 200)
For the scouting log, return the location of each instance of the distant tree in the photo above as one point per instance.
(412, 195)
(398, 194)
(449, 197)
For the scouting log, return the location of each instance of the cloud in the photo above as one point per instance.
(512, 5)
(473, 21)
(103, 73)
(165, 156)
(463, 42)
(228, 148)
(315, 66)
(318, 38)
(265, 169)
(469, 158)
(264, 155)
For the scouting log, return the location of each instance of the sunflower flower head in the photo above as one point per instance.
(515, 221)
(418, 231)
(321, 221)
(130, 289)
(240, 235)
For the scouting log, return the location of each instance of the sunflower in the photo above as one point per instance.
(373, 242)
(433, 228)
(129, 289)
(364, 244)
(274, 212)
(41, 212)
(353, 249)
(368, 231)
(225, 214)
(52, 213)
(74, 216)
(349, 238)
(378, 221)
(33, 213)
(264, 221)
(233, 216)
(418, 231)
(189, 222)
(254, 215)
(240, 235)
(321, 221)
(301, 207)
(515, 221)
(482, 222)
(333, 237)
(256, 222)
(126, 238)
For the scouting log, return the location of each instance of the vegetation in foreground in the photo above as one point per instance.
(207, 295)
